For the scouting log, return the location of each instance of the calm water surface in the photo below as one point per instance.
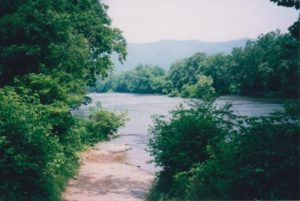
(141, 108)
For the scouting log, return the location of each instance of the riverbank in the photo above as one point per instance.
(105, 175)
(109, 170)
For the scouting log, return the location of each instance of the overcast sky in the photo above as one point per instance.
(207, 20)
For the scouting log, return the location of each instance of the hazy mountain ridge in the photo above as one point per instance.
(164, 53)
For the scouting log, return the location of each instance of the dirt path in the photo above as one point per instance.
(104, 175)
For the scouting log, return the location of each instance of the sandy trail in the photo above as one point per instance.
(104, 175)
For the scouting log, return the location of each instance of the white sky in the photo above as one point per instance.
(207, 20)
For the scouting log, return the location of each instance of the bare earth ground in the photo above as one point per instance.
(104, 175)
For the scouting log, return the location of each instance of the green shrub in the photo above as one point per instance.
(100, 125)
(177, 144)
(39, 144)
(34, 164)
(174, 93)
(260, 162)
(52, 88)
(242, 158)
(202, 89)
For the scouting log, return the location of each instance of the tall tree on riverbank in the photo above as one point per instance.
(50, 50)
(58, 35)
(268, 66)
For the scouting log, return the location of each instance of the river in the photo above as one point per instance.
(141, 108)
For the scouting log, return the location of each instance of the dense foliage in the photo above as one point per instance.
(38, 144)
(142, 79)
(47, 36)
(101, 125)
(208, 153)
(50, 50)
(266, 67)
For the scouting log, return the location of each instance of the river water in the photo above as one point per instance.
(141, 108)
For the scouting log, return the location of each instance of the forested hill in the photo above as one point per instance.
(163, 53)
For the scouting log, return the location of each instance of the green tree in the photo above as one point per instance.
(186, 71)
(258, 162)
(45, 36)
(202, 89)
(50, 50)
(266, 67)
(36, 158)
(178, 142)
(208, 153)
(142, 79)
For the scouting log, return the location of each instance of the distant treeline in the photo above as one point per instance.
(266, 67)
